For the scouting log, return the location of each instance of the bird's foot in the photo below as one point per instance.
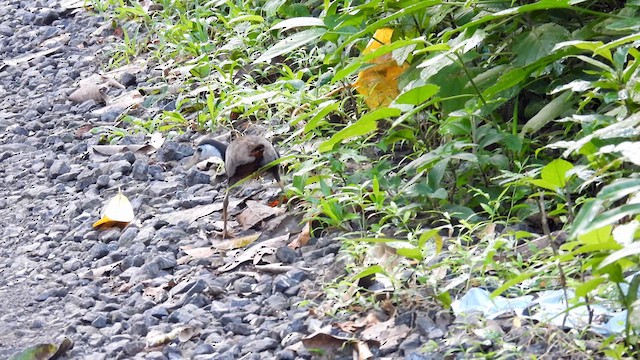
(226, 234)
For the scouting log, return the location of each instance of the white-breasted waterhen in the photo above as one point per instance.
(242, 158)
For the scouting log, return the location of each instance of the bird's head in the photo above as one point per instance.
(205, 149)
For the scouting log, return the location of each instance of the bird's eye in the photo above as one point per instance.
(199, 150)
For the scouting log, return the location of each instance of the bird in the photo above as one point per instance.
(242, 158)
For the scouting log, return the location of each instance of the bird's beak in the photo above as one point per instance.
(192, 161)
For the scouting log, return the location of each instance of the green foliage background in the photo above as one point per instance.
(516, 114)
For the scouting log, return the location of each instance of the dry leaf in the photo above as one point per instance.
(99, 271)
(95, 92)
(30, 56)
(182, 333)
(256, 213)
(324, 341)
(118, 210)
(303, 238)
(235, 243)
(200, 253)
(379, 83)
(157, 293)
(195, 213)
(256, 252)
(109, 150)
(121, 103)
(363, 351)
(387, 333)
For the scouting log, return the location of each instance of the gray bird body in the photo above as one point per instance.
(242, 158)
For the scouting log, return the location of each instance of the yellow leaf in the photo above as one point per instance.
(381, 37)
(117, 211)
(379, 83)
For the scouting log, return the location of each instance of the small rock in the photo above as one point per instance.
(195, 177)
(103, 181)
(286, 255)
(58, 168)
(128, 79)
(72, 265)
(203, 349)
(139, 170)
(98, 251)
(99, 322)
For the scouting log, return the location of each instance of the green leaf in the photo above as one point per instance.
(291, 43)
(555, 172)
(298, 22)
(319, 115)
(445, 299)
(508, 80)
(537, 43)
(417, 95)
(548, 113)
(613, 215)
(365, 125)
(619, 189)
(249, 18)
(596, 236)
(373, 269)
(37, 352)
(517, 280)
(387, 19)
(431, 234)
(630, 250)
(411, 253)
(585, 288)
(587, 213)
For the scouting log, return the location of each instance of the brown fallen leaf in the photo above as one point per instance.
(199, 253)
(100, 271)
(256, 213)
(121, 103)
(303, 238)
(182, 333)
(157, 294)
(387, 333)
(95, 92)
(30, 56)
(235, 243)
(109, 150)
(325, 342)
(256, 252)
(363, 351)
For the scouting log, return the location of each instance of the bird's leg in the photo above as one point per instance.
(225, 213)
(225, 204)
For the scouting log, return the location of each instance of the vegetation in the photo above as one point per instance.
(509, 120)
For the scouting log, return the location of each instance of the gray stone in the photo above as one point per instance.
(139, 170)
(204, 349)
(260, 345)
(286, 255)
(161, 188)
(72, 265)
(127, 236)
(133, 347)
(195, 177)
(98, 251)
(99, 322)
(102, 181)
(58, 168)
